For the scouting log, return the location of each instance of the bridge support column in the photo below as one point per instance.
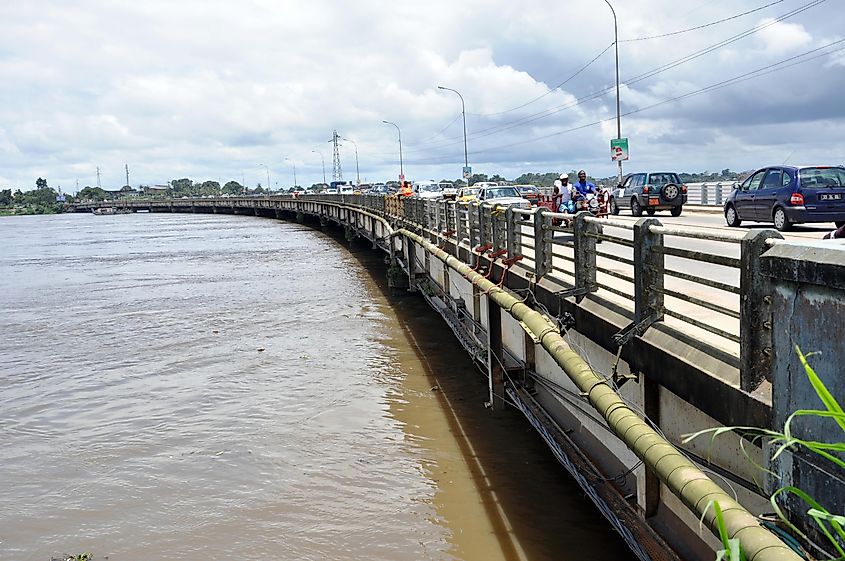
(495, 356)
(755, 312)
(648, 273)
(585, 254)
(648, 485)
(373, 233)
(542, 244)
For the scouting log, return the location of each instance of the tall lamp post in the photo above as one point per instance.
(268, 177)
(618, 113)
(401, 168)
(464, 114)
(324, 165)
(357, 171)
(294, 169)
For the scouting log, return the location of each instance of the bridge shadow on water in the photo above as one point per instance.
(534, 509)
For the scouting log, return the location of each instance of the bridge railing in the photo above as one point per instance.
(702, 287)
(698, 286)
(711, 193)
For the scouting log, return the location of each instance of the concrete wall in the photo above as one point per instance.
(808, 310)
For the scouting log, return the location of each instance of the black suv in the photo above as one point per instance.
(650, 192)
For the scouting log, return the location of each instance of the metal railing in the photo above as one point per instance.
(700, 286)
(710, 193)
(703, 287)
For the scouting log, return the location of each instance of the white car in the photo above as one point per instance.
(427, 190)
(449, 190)
(502, 195)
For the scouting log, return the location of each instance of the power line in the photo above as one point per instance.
(762, 71)
(649, 74)
(696, 28)
(579, 71)
(723, 43)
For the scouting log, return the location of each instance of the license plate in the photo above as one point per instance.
(654, 202)
(830, 196)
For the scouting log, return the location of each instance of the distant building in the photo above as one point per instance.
(160, 190)
(124, 192)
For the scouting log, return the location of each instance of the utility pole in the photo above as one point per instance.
(337, 173)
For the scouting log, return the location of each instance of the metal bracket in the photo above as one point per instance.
(573, 292)
(620, 379)
(530, 333)
(635, 329)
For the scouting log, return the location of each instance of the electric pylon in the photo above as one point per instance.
(337, 173)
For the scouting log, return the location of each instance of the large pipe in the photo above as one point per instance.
(680, 475)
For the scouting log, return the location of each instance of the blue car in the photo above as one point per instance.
(787, 195)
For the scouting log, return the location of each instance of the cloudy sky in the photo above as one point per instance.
(212, 89)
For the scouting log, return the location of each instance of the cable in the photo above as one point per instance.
(700, 26)
(635, 79)
(762, 71)
(579, 71)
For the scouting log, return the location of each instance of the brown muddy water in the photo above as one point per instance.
(209, 387)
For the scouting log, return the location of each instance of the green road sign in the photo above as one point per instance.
(618, 149)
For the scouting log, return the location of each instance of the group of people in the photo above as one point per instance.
(565, 196)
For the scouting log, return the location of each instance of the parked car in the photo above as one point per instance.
(530, 192)
(649, 192)
(502, 195)
(787, 195)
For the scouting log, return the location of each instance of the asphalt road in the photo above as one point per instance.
(712, 217)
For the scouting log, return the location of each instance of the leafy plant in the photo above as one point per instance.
(832, 526)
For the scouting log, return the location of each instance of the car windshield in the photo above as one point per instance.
(663, 178)
(430, 188)
(818, 178)
(528, 189)
(470, 192)
(500, 192)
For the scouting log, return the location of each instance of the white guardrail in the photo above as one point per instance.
(709, 193)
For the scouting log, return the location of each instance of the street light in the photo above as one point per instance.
(268, 177)
(294, 169)
(464, 114)
(401, 169)
(324, 164)
(357, 172)
(618, 114)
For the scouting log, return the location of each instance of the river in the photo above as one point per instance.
(208, 387)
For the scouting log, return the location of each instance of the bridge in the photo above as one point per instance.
(615, 338)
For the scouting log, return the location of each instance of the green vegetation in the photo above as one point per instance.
(832, 526)
(41, 200)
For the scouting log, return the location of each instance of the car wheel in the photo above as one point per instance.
(731, 217)
(780, 220)
(614, 208)
(677, 210)
(650, 211)
(636, 208)
(671, 192)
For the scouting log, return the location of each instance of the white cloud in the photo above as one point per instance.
(209, 89)
(779, 37)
